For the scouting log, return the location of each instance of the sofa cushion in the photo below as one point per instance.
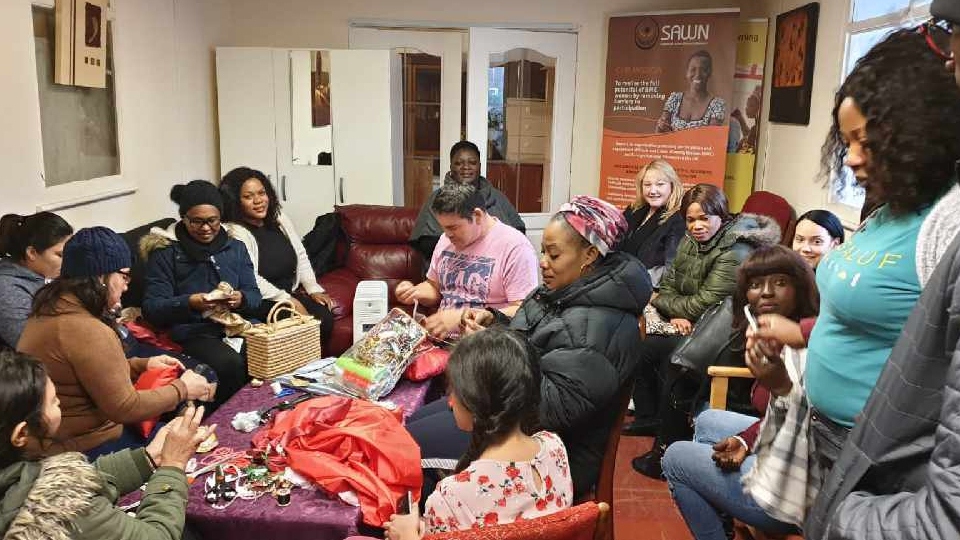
(371, 224)
(392, 264)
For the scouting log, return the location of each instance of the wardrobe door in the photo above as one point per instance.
(245, 109)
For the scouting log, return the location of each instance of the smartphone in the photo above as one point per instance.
(751, 320)
(405, 503)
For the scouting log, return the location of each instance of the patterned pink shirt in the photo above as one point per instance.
(490, 492)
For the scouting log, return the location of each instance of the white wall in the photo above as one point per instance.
(789, 155)
(323, 24)
(165, 97)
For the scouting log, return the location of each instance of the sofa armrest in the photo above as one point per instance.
(341, 285)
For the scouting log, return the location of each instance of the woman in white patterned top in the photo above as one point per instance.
(695, 107)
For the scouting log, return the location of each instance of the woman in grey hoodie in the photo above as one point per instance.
(31, 248)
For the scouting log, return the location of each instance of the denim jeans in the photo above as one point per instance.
(702, 491)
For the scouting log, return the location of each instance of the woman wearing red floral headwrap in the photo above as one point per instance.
(583, 320)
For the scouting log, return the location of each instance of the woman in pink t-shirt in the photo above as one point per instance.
(508, 472)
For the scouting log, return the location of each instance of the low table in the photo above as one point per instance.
(311, 515)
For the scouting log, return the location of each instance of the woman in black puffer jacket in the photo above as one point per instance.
(583, 321)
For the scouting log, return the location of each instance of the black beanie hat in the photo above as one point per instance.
(94, 251)
(948, 10)
(195, 193)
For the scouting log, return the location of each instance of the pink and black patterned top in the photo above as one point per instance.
(490, 492)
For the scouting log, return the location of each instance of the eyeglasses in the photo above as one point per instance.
(125, 274)
(198, 223)
(932, 27)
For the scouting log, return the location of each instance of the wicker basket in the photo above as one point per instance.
(278, 347)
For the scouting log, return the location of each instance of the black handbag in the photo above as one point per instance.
(709, 341)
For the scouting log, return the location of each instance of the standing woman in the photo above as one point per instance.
(870, 284)
(817, 232)
(73, 332)
(654, 223)
(280, 262)
(186, 261)
(32, 250)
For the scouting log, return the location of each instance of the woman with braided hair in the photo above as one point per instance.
(509, 471)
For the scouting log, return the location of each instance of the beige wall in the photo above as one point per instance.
(165, 97)
(323, 24)
(167, 92)
(788, 160)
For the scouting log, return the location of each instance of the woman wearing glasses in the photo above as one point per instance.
(189, 260)
(71, 330)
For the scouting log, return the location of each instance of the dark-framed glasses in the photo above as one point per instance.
(198, 223)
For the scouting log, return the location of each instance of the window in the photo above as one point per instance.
(78, 125)
(870, 21)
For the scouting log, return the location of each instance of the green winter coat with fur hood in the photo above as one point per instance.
(65, 497)
(704, 274)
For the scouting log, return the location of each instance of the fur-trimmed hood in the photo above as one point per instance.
(43, 499)
(754, 230)
(159, 238)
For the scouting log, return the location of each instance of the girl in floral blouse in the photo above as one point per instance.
(507, 474)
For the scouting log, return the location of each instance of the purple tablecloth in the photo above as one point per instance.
(311, 515)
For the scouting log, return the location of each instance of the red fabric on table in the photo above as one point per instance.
(149, 380)
(346, 444)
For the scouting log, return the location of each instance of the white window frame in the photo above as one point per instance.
(916, 12)
(83, 192)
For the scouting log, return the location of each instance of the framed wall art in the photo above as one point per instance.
(793, 58)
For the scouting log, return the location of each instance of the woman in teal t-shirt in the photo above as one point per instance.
(902, 150)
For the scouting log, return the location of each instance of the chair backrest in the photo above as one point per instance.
(773, 206)
(582, 522)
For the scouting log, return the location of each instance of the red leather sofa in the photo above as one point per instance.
(373, 246)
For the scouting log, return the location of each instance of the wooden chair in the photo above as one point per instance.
(587, 521)
(719, 384)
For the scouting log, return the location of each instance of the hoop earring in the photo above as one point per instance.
(582, 267)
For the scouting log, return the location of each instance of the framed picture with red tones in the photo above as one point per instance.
(794, 51)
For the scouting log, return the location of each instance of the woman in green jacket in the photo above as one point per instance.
(703, 273)
(64, 496)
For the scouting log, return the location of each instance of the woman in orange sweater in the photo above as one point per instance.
(72, 331)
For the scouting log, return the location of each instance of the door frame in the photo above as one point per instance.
(559, 45)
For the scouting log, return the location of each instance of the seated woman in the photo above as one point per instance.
(72, 331)
(704, 474)
(817, 232)
(655, 225)
(32, 248)
(280, 262)
(465, 169)
(495, 385)
(702, 275)
(187, 261)
(65, 496)
(583, 320)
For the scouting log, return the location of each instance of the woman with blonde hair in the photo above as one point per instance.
(655, 227)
